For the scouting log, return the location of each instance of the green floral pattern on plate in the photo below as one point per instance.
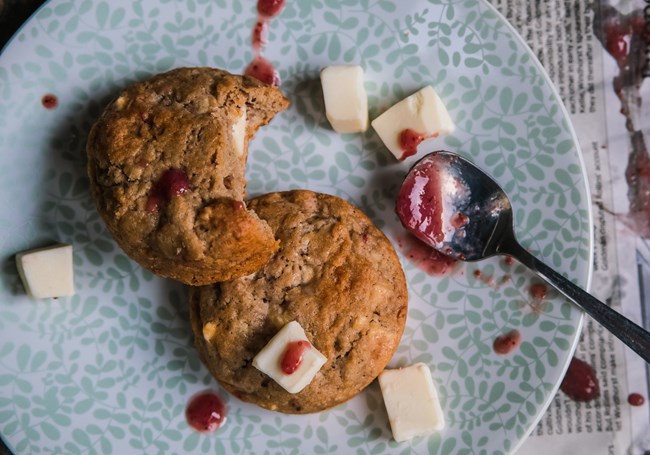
(110, 369)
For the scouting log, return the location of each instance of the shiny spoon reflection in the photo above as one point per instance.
(456, 208)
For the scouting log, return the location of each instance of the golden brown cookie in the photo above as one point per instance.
(166, 162)
(336, 274)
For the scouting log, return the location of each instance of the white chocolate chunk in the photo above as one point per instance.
(269, 359)
(346, 102)
(120, 103)
(423, 112)
(239, 133)
(209, 331)
(411, 401)
(47, 272)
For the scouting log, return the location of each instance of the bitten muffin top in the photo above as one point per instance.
(166, 162)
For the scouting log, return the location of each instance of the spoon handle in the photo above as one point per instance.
(627, 331)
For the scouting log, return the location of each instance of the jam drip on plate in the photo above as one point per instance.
(261, 68)
(206, 412)
(427, 259)
(50, 101)
(506, 343)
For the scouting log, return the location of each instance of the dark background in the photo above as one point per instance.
(13, 13)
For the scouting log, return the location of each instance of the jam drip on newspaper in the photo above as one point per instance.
(580, 382)
(626, 38)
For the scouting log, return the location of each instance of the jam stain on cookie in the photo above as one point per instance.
(172, 183)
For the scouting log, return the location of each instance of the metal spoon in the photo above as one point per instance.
(453, 206)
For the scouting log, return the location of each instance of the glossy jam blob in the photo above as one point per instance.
(293, 354)
(269, 8)
(419, 202)
(50, 101)
(206, 412)
(506, 343)
(635, 399)
(580, 382)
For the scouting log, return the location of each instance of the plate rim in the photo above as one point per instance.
(587, 191)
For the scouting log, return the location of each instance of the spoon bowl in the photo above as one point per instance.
(451, 207)
(456, 208)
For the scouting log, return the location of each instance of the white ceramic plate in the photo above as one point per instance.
(111, 369)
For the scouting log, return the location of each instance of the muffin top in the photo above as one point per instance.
(336, 274)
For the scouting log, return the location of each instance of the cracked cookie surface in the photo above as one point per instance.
(336, 274)
(166, 162)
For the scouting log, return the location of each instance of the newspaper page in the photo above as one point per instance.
(598, 54)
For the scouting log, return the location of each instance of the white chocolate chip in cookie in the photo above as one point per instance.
(120, 103)
(239, 133)
(209, 330)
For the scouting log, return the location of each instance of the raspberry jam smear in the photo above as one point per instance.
(580, 382)
(293, 354)
(173, 182)
(430, 261)
(206, 412)
(625, 37)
